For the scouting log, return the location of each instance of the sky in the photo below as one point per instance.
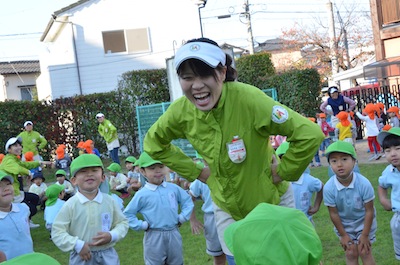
(22, 22)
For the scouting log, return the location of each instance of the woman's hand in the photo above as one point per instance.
(274, 170)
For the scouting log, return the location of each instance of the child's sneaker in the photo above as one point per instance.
(378, 156)
(372, 157)
(33, 225)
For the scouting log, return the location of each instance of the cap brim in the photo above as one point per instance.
(381, 136)
(208, 53)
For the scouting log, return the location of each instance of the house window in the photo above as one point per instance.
(28, 92)
(128, 40)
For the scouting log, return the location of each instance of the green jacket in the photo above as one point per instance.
(108, 131)
(12, 165)
(245, 111)
(32, 141)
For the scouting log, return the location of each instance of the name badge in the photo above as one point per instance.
(236, 150)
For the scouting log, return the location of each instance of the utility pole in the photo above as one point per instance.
(345, 42)
(248, 23)
(332, 40)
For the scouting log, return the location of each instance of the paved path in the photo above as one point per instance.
(362, 154)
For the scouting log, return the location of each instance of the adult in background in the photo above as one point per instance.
(108, 131)
(338, 103)
(32, 141)
(229, 124)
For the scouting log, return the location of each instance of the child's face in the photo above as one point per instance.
(88, 179)
(6, 193)
(391, 114)
(155, 173)
(15, 149)
(342, 164)
(113, 173)
(392, 155)
(60, 179)
(38, 181)
(128, 165)
(61, 195)
(323, 119)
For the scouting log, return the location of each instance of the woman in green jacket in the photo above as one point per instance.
(108, 131)
(13, 165)
(229, 124)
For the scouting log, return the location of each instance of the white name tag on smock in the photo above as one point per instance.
(236, 150)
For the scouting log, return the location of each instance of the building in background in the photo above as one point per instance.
(92, 42)
(18, 80)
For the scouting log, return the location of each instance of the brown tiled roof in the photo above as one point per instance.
(20, 67)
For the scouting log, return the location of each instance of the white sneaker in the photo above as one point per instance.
(372, 157)
(378, 156)
(33, 225)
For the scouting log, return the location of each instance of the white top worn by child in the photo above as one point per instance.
(16, 239)
(90, 223)
(68, 188)
(159, 203)
(118, 181)
(38, 186)
(55, 194)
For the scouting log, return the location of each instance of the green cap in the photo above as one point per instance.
(145, 160)
(131, 159)
(52, 193)
(84, 161)
(34, 258)
(114, 167)
(282, 148)
(4, 175)
(61, 172)
(341, 147)
(274, 235)
(382, 135)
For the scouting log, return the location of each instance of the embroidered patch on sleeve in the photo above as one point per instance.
(279, 114)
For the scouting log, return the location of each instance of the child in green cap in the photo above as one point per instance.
(118, 181)
(68, 187)
(16, 238)
(294, 239)
(390, 179)
(90, 223)
(349, 197)
(136, 180)
(159, 202)
(55, 194)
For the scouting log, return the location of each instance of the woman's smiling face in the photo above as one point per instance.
(203, 92)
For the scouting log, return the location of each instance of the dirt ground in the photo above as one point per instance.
(362, 154)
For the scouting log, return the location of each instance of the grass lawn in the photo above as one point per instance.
(130, 249)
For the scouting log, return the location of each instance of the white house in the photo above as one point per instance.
(18, 80)
(92, 42)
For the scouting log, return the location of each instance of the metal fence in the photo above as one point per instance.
(374, 93)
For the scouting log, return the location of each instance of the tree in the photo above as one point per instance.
(353, 36)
